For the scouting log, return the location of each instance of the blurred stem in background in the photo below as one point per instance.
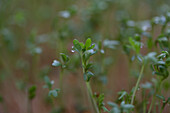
(61, 89)
(137, 83)
(144, 100)
(158, 87)
(90, 93)
(61, 80)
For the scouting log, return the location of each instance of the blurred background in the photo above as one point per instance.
(34, 32)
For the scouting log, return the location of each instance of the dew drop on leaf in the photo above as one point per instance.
(72, 51)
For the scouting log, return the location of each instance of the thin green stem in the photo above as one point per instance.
(61, 79)
(91, 97)
(162, 108)
(89, 90)
(137, 83)
(61, 88)
(154, 96)
(144, 101)
(30, 106)
(29, 102)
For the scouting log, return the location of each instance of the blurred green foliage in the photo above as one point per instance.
(34, 32)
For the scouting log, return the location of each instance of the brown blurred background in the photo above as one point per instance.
(34, 32)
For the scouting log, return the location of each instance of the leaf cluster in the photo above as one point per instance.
(49, 84)
(85, 51)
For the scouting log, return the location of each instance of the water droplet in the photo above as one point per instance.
(72, 51)
(52, 82)
(64, 14)
(102, 51)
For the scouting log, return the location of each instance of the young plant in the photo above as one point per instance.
(64, 59)
(53, 93)
(135, 45)
(123, 108)
(160, 68)
(86, 51)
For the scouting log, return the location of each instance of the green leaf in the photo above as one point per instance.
(53, 93)
(168, 61)
(137, 37)
(100, 100)
(88, 54)
(128, 106)
(93, 45)
(48, 82)
(88, 66)
(31, 92)
(131, 41)
(135, 45)
(56, 63)
(81, 44)
(163, 55)
(105, 109)
(32, 89)
(160, 97)
(122, 94)
(88, 43)
(77, 45)
(64, 57)
(112, 104)
(88, 75)
(115, 107)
